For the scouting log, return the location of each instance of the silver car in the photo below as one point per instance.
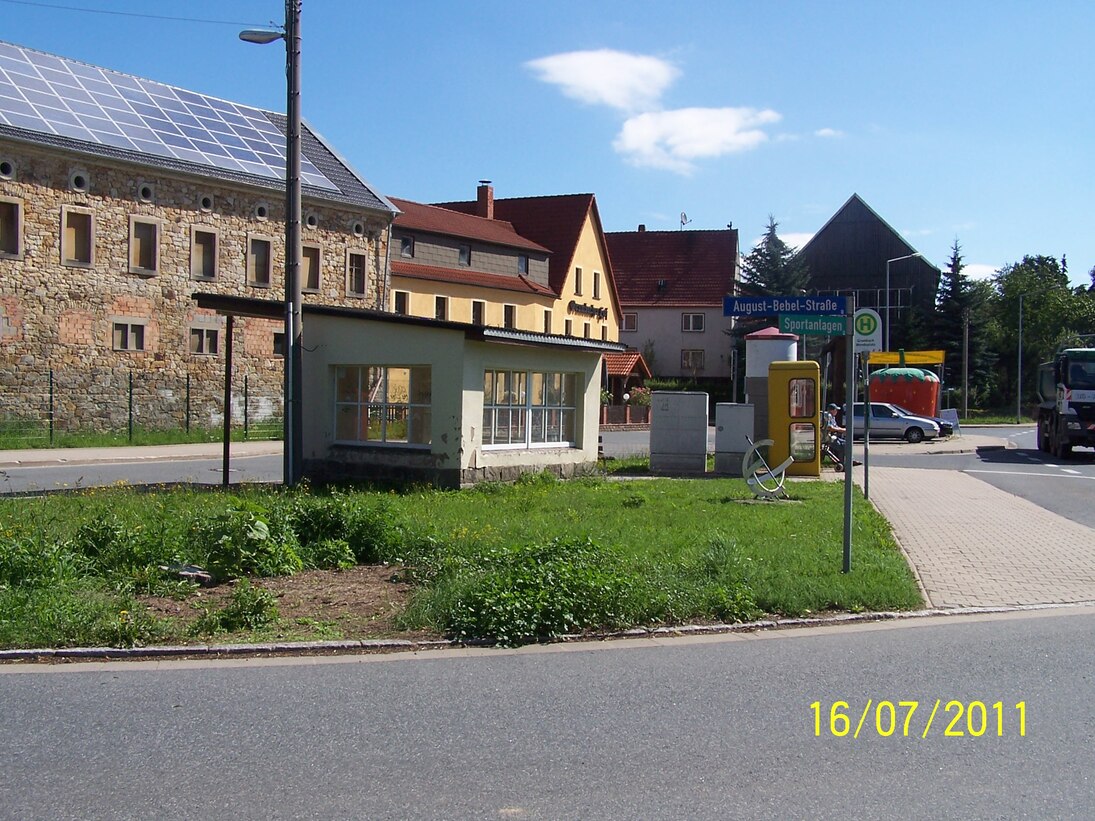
(891, 422)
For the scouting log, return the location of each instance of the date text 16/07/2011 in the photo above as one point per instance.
(953, 719)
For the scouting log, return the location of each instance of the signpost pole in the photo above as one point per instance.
(866, 426)
(849, 430)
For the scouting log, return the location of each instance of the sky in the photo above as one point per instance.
(970, 121)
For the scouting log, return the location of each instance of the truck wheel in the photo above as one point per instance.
(1066, 450)
(1042, 438)
(914, 436)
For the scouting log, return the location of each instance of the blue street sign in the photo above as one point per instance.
(773, 305)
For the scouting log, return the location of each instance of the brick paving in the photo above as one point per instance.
(974, 545)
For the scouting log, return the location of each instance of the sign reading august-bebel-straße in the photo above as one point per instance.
(773, 305)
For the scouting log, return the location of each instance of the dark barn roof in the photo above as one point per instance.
(673, 267)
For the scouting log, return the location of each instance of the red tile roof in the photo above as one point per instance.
(465, 276)
(625, 364)
(696, 267)
(448, 222)
(555, 222)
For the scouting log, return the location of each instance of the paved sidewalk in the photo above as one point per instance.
(974, 545)
(85, 456)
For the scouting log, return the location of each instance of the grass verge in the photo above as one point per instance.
(510, 563)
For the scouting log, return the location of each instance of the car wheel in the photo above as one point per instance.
(914, 436)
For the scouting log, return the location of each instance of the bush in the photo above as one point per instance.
(245, 540)
(329, 554)
(249, 609)
(38, 562)
(541, 592)
(371, 531)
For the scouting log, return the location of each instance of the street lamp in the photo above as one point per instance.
(1019, 368)
(293, 446)
(886, 343)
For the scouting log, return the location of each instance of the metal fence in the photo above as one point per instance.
(39, 408)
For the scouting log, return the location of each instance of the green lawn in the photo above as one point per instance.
(512, 563)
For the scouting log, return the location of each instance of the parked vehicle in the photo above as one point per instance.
(890, 422)
(1066, 402)
(945, 428)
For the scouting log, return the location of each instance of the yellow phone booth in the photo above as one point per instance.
(794, 416)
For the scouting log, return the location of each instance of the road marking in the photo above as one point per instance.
(1028, 473)
(1070, 470)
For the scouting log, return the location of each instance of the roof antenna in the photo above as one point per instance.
(684, 220)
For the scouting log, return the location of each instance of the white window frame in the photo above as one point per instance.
(689, 322)
(350, 254)
(376, 398)
(509, 392)
(629, 321)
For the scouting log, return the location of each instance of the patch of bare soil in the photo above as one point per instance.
(359, 603)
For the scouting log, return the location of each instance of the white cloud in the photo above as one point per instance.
(828, 133)
(674, 139)
(980, 271)
(629, 82)
(796, 240)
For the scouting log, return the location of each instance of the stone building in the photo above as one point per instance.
(119, 198)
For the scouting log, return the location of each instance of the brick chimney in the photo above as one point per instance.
(484, 200)
(642, 228)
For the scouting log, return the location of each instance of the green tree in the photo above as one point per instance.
(961, 308)
(772, 267)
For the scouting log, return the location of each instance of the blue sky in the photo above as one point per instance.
(967, 120)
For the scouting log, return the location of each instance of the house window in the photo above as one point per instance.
(692, 360)
(406, 247)
(630, 322)
(78, 240)
(568, 327)
(604, 333)
(203, 253)
(278, 346)
(547, 321)
(441, 308)
(260, 262)
(692, 323)
(522, 264)
(478, 311)
(383, 405)
(144, 246)
(596, 284)
(309, 267)
(529, 409)
(356, 267)
(585, 330)
(399, 302)
(464, 255)
(129, 336)
(577, 281)
(11, 227)
(204, 341)
(509, 316)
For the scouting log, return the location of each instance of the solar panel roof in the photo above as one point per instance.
(54, 95)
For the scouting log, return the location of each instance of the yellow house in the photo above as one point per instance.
(564, 283)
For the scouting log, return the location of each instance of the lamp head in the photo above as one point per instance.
(261, 36)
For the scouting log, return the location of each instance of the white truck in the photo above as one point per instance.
(1066, 402)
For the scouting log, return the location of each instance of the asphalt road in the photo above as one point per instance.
(677, 729)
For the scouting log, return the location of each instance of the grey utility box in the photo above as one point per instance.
(678, 432)
(733, 423)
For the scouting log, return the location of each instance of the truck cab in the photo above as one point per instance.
(1066, 402)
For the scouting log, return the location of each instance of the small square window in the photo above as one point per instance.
(78, 238)
(204, 341)
(522, 264)
(630, 322)
(203, 253)
(11, 227)
(441, 308)
(509, 316)
(309, 267)
(406, 247)
(692, 360)
(464, 255)
(357, 266)
(478, 312)
(692, 323)
(129, 336)
(400, 301)
(260, 262)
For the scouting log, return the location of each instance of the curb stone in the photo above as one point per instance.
(375, 646)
